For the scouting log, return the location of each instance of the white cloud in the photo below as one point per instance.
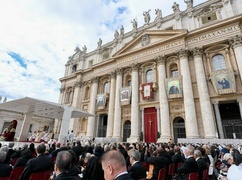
(45, 33)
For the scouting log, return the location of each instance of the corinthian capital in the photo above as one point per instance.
(119, 71)
(160, 59)
(78, 84)
(112, 74)
(94, 80)
(135, 66)
(197, 52)
(183, 53)
(236, 41)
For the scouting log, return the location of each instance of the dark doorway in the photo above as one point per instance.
(179, 128)
(102, 125)
(150, 124)
(231, 120)
(126, 130)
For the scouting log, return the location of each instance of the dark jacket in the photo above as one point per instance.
(137, 171)
(124, 177)
(188, 166)
(40, 163)
(202, 165)
(5, 170)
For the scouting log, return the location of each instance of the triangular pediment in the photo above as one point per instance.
(148, 39)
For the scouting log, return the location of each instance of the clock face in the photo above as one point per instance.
(76, 56)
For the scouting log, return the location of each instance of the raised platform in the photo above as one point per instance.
(210, 141)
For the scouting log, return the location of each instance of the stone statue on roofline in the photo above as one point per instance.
(158, 13)
(189, 3)
(84, 49)
(99, 43)
(175, 7)
(122, 30)
(134, 24)
(116, 35)
(146, 15)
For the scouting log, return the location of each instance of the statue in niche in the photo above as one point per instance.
(122, 30)
(134, 23)
(189, 3)
(158, 13)
(175, 7)
(99, 43)
(146, 15)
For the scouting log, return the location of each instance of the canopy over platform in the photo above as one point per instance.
(40, 108)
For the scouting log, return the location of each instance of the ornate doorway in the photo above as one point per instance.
(231, 120)
(102, 125)
(126, 130)
(150, 124)
(179, 128)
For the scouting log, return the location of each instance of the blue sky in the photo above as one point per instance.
(37, 37)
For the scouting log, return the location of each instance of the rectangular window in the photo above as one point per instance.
(209, 18)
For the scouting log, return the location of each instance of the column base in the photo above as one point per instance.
(116, 139)
(164, 139)
(211, 137)
(133, 139)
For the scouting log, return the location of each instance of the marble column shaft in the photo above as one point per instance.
(164, 105)
(134, 137)
(111, 106)
(117, 111)
(236, 43)
(218, 119)
(204, 99)
(91, 120)
(190, 113)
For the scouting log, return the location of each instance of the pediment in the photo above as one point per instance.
(148, 39)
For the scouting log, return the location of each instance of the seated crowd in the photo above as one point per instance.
(137, 161)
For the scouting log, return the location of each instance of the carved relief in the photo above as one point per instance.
(197, 52)
(183, 53)
(145, 40)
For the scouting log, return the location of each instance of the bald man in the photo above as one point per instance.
(114, 166)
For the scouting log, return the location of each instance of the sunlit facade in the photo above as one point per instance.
(178, 76)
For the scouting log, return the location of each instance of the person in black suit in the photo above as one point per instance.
(25, 156)
(158, 161)
(40, 163)
(137, 170)
(177, 158)
(78, 149)
(114, 166)
(9, 153)
(202, 165)
(17, 154)
(189, 165)
(62, 165)
(5, 169)
(55, 152)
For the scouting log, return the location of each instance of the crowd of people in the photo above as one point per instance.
(88, 160)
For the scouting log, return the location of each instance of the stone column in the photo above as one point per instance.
(240, 107)
(111, 106)
(76, 103)
(164, 105)
(91, 120)
(134, 137)
(142, 123)
(236, 43)
(219, 122)
(158, 118)
(204, 99)
(117, 111)
(190, 113)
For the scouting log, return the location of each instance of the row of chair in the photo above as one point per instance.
(16, 173)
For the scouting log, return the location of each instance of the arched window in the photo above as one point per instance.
(106, 87)
(218, 62)
(149, 76)
(174, 70)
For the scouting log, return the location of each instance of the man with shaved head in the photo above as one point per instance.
(114, 166)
